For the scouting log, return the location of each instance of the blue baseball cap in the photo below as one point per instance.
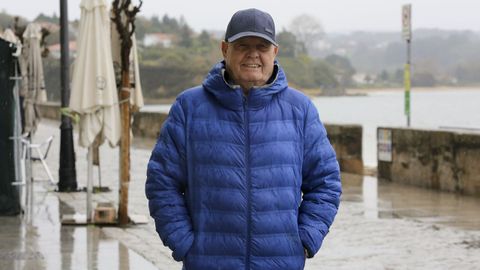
(251, 22)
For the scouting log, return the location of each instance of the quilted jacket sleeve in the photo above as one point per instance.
(165, 185)
(321, 184)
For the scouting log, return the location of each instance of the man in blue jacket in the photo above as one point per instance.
(243, 175)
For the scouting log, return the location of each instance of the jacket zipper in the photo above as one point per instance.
(247, 174)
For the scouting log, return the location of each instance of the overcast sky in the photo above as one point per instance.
(335, 15)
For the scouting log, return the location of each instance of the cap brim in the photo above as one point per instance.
(251, 34)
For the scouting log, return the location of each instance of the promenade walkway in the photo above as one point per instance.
(379, 225)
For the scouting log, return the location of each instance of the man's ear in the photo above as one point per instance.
(275, 50)
(224, 48)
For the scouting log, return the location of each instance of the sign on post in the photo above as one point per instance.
(407, 21)
(384, 144)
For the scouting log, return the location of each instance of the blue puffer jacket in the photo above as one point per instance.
(243, 183)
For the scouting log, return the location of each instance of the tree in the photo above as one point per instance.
(383, 76)
(204, 39)
(185, 34)
(155, 21)
(308, 31)
(423, 79)
(124, 18)
(467, 73)
(398, 76)
(342, 68)
(289, 45)
(324, 75)
(8, 21)
(367, 79)
(44, 18)
(170, 25)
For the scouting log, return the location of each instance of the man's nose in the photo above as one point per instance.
(253, 52)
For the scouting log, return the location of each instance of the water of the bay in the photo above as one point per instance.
(451, 109)
(435, 108)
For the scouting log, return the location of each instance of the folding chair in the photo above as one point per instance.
(39, 155)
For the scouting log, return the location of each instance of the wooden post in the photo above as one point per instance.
(124, 18)
(124, 149)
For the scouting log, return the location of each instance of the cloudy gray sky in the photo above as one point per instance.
(338, 15)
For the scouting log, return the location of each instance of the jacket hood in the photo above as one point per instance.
(231, 96)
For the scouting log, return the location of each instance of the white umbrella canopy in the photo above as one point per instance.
(8, 35)
(33, 84)
(94, 93)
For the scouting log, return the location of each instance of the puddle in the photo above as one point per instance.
(382, 199)
(39, 241)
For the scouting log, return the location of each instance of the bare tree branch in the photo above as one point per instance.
(124, 20)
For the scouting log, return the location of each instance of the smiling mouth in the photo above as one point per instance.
(251, 65)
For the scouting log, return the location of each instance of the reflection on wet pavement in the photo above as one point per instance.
(40, 242)
(383, 199)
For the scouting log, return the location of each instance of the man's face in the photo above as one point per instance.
(249, 61)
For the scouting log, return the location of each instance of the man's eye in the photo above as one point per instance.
(262, 47)
(240, 46)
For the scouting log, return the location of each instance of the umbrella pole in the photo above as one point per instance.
(96, 162)
(99, 177)
(89, 183)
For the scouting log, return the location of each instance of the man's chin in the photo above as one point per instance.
(254, 82)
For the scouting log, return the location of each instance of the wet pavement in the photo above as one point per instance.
(380, 225)
(385, 200)
(39, 241)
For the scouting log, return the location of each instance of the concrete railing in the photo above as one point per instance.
(347, 142)
(441, 160)
(148, 124)
(346, 139)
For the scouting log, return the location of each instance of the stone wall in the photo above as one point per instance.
(148, 124)
(346, 139)
(441, 160)
(347, 142)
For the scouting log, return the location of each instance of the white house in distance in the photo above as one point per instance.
(158, 39)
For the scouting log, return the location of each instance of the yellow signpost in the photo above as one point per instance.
(407, 35)
(406, 83)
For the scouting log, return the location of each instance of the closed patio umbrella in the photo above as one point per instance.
(33, 84)
(8, 35)
(94, 93)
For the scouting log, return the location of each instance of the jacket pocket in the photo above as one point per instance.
(187, 258)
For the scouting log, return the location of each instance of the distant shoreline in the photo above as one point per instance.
(348, 92)
(357, 91)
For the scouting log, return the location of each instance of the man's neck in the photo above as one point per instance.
(246, 88)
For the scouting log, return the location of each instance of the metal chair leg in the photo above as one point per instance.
(50, 177)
